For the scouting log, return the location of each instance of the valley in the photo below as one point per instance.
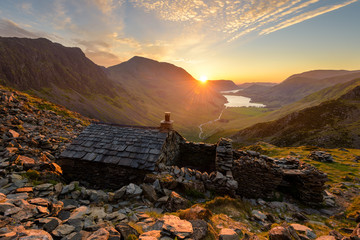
(283, 153)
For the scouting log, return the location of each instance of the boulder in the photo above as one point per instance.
(13, 134)
(100, 234)
(52, 224)
(283, 233)
(200, 229)
(79, 212)
(228, 234)
(149, 192)
(151, 235)
(26, 162)
(304, 230)
(326, 237)
(176, 202)
(133, 190)
(32, 234)
(119, 193)
(176, 227)
(195, 212)
(258, 215)
(63, 230)
(125, 230)
(321, 156)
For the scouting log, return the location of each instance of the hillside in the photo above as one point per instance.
(333, 123)
(161, 87)
(249, 84)
(64, 76)
(37, 203)
(222, 85)
(135, 92)
(298, 86)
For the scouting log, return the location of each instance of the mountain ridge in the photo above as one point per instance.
(298, 86)
(333, 123)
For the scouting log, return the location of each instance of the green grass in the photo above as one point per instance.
(343, 161)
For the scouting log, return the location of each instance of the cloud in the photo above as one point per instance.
(10, 29)
(107, 6)
(236, 19)
(305, 16)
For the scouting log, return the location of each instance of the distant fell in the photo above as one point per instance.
(249, 84)
(298, 86)
(332, 124)
(222, 85)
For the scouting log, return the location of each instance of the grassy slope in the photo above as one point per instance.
(298, 86)
(333, 123)
(162, 87)
(236, 119)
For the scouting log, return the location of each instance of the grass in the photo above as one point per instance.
(32, 174)
(343, 164)
(136, 227)
(154, 214)
(226, 205)
(353, 209)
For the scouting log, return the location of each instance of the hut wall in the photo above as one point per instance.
(100, 175)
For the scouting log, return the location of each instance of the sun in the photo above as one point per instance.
(203, 79)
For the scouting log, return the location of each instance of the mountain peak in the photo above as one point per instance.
(142, 59)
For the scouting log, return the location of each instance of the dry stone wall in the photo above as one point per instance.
(100, 175)
(224, 155)
(200, 156)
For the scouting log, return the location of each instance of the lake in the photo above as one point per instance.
(240, 101)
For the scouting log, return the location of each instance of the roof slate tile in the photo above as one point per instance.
(136, 147)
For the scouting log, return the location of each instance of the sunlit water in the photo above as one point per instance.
(233, 101)
(240, 101)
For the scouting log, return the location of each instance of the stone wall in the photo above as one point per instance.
(187, 179)
(224, 155)
(170, 153)
(256, 178)
(100, 175)
(306, 183)
(200, 156)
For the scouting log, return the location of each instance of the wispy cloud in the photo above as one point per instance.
(9, 28)
(305, 16)
(236, 19)
(110, 31)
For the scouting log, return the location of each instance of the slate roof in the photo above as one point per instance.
(129, 146)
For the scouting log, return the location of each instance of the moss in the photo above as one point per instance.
(154, 214)
(229, 206)
(353, 209)
(20, 127)
(132, 237)
(138, 228)
(193, 193)
(32, 174)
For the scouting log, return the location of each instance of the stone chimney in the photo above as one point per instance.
(167, 124)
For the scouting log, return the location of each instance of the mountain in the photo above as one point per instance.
(64, 76)
(222, 85)
(161, 87)
(256, 88)
(249, 84)
(298, 86)
(334, 123)
(135, 92)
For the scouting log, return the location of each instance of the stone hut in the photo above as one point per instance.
(111, 155)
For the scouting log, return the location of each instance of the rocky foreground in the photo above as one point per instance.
(36, 203)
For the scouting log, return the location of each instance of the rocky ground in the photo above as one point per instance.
(36, 203)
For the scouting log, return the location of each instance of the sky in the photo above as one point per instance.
(239, 40)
